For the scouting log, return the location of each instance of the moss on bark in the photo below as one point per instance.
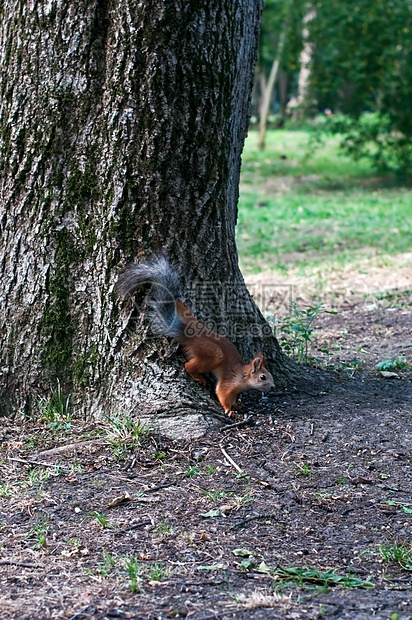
(127, 126)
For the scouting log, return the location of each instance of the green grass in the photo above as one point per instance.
(397, 554)
(301, 576)
(38, 533)
(55, 410)
(125, 434)
(295, 154)
(316, 205)
(101, 518)
(310, 576)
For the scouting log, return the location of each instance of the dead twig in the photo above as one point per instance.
(240, 471)
(263, 409)
(240, 524)
(31, 462)
(214, 582)
(18, 563)
(71, 446)
(84, 612)
(231, 461)
(160, 486)
(250, 421)
(132, 527)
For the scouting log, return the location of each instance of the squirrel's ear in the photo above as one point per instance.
(257, 363)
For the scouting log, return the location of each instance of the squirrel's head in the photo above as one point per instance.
(259, 378)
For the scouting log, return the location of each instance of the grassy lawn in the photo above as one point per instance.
(305, 207)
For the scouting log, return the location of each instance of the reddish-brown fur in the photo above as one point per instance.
(210, 352)
(206, 350)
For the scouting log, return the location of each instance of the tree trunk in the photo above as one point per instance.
(283, 84)
(305, 59)
(269, 91)
(122, 125)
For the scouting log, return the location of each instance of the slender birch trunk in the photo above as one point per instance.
(269, 92)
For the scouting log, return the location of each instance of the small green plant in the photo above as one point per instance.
(133, 567)
(76, 468)
(125, 434)
(55, 410)
(216, 496)
(191, 471)
(303, 469)
(188, 536)
(39, 533)
(158, 572)
(406, 507)
(163, 527)
(37, 477)
(398, 363)
(297, 330)
(242, 476)
(139, 495)
(241, 501)
(73, 542)
(160, 455)
(399, 554)
(108, 564)
(210, 470)
(31, 443)
(5, 489)
(350, 367)
(324, 494)
(58, 426)
(310, 576)
(101, 518)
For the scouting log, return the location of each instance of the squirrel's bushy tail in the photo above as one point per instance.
(164, 281)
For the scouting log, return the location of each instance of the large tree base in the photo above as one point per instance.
(165, 398)
(170, 402)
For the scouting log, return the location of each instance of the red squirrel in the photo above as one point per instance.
(206, 350)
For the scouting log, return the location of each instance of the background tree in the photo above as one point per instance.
(122, 125)
(280, 45)
(362, 62)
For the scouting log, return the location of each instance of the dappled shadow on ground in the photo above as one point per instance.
(313, 183)
(288, 518)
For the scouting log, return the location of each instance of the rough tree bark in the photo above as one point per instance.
(122, 125)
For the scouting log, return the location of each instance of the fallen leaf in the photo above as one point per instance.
(211, 513)
(242, 553)
(70, 553)
(247, 564)
(388, 375)
(212, 567)
(226, 508)
(118, 500)
(263, 568)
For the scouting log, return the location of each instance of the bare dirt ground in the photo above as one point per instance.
(293, 516)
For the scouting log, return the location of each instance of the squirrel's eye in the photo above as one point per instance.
(263, 377)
